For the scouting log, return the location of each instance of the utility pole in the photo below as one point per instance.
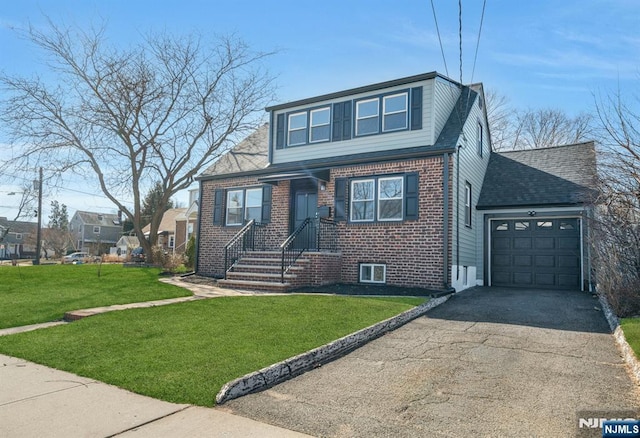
(36, 261)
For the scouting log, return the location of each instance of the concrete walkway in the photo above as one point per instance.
(489, 362)
(36, 401)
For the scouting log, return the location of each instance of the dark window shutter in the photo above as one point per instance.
(266, 204)
(340, 199)
(218, 204)
(280, 131)
(346, 121)
(416, 108)
(411, 197)
(341, 121)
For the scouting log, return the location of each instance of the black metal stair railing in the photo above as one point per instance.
(250, 238)
(312, 234)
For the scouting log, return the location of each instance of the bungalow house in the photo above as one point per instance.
(17, 239)
(95, 232)
(167, 228)
(186, 223)
(391, 183)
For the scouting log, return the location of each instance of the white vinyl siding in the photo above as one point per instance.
(400, 139)
(444, 100)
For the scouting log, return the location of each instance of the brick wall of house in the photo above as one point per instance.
(213, 239)
(411, 250)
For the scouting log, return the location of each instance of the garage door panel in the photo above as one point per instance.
(536, 253)
(543, 279)
(569, 243)
(522, 260)
(548, 243)
(522, 243)
(523, 278)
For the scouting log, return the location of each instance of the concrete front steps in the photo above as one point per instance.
(261, 271)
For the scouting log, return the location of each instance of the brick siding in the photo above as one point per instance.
(411, 250)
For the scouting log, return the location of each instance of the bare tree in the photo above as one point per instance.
(126, 118)
(533, 128)
(28, 204)
(617, 225)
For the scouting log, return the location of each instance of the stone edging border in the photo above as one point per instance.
(627, 352)
(294, 366)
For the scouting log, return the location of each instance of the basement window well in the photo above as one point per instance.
(373, 273)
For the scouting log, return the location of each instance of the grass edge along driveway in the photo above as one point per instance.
(184, 353)
(35, 294)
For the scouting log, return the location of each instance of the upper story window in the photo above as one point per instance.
(96, 230)
(467, 204)
(18, 236)
(367, 116)
(243, 205)
(297, 129)
(394, 112)
(320, 125)
(339, 121)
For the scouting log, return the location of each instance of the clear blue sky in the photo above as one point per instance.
(539, 54)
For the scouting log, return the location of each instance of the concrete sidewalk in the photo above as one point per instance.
(37, 401)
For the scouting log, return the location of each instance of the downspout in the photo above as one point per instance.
(458, 212)
(445, 225)
(197, 240)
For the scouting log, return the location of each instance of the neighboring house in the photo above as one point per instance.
(19, 239)
(187, 223)
(95, 232)
(126, 244)
(377, 184)
(167, 228)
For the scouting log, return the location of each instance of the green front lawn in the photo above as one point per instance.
(33, 294)
(631, 329)
(185, 352)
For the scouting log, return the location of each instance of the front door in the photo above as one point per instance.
(305, 206)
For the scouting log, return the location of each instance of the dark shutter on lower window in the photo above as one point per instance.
(218, 204)
(341, 121)
(266, 204)
(411, 197)
(280, 131)
(416, 108)
(340, 198)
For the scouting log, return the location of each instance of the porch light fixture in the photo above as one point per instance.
(532, 213)
(323, 186)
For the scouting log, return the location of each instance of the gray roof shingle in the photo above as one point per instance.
(555, 176)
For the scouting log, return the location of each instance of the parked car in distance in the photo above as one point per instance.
(75, 257)
(137, 255)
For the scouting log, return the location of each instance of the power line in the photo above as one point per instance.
(460, 35)
(435, 18)
(475, 57)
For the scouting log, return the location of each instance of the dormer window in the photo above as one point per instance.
(297, 129)
(394, 112)
(367, 117)
(320, 126)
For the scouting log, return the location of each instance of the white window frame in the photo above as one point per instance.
(373, 199)
(241, 207)
(467, 204)
(386, 113)
(246, 203)
(96, 229)
(401, 198)
(373, 267)
(320, 125)
(376, 116)
(172, 241)
(289, 130)
(18, 236)
(244, 206)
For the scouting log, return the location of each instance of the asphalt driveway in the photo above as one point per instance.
(489, 362)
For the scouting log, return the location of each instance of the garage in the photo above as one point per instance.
(536, 253)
